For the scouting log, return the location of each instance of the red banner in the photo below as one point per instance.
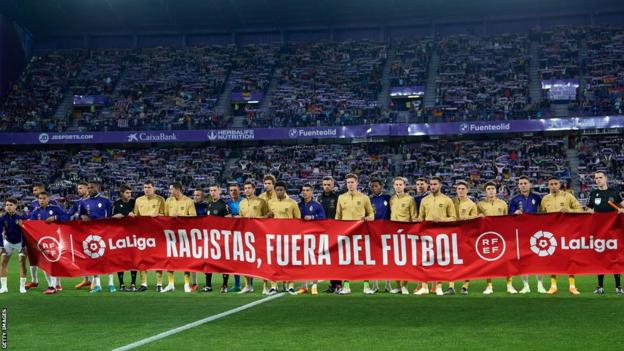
(280, 249)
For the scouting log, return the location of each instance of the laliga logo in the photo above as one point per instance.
(93, 246)
(543, 243)
(50, 248)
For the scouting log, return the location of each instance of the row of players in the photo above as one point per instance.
(429, 204)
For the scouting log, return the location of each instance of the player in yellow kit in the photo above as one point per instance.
(402, 209)
(269, 188)
(283, 207)
(559, 201)
(435, 207)
(149, 205)
(178, 205)
(493, 206)
(466, 209)
(353, 206)
(252, 207)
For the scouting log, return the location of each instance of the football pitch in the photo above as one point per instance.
(74, 319)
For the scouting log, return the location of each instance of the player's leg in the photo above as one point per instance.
(208, 286)
(187, 282)
(170, 282)
(194, 286)
(465, 286)
(553, 285)
(159, 281)
(133, 277)
(34, 278)
(122, 285)
(4, 264)
(22, 272)
(97, 287)
(572, 285)
(489, 289)
(451, 289)
(111, 284)
(236, 287)
(143, 286)
(224, 286)
(510, 287)
(423, 290)
(84, 282)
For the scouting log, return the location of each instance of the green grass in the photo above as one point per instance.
(74, 319)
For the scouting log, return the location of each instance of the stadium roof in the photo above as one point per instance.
(91, 16)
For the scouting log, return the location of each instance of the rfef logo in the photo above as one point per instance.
(490, 246)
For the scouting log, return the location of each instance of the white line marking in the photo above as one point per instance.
(196, 323)
(517, 245)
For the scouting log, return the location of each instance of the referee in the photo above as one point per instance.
(599, 201)
(123, 208)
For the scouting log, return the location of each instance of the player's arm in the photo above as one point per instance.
(162, 208)
(296, 211)
(339, 210)
(264, 209)
(369, 210)
(135, 209)
(451, 214)
(191, 209)
(575, 205)
(166, 207)
(320, 212)
(513, 207)
(60, 215)
(2, 250)
(422, 212)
